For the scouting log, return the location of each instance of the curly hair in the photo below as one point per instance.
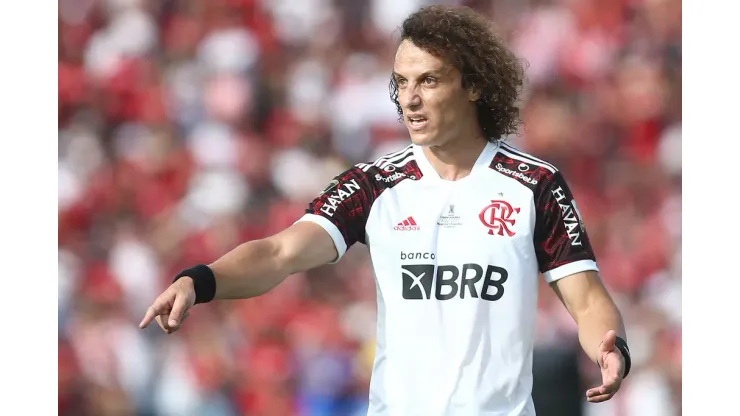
(465, 39)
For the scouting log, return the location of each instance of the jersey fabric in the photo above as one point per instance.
(456, 265)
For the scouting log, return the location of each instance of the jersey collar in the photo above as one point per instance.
(428, 172)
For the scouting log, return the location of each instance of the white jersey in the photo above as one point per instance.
(456, 265)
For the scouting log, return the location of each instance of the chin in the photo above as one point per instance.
(423, 139)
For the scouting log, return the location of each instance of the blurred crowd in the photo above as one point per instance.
(189, 126)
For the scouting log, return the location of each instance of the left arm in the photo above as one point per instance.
(567, 261)
(588, 302)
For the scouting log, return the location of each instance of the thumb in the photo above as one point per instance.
(609, 342)
(179, 307)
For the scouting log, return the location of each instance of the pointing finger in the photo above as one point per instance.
(150, 314)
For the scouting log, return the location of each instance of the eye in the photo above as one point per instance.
(429, 81)
(401, 82)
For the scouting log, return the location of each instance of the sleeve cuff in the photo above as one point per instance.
(569, 269)
(330, 228)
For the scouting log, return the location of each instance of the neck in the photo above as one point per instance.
(454, 160)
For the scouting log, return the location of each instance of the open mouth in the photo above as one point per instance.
(417, 122)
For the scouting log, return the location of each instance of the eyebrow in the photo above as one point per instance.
(433, 72)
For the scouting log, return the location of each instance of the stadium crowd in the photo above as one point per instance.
(189, 126)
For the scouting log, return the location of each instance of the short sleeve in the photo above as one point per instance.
(561, 241)
(342, 208)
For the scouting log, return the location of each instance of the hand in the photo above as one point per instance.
(612, 366)
(172, 307)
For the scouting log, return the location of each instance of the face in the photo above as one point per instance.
(436, 108)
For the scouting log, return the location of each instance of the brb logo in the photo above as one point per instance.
(452, 281)
(498, 217)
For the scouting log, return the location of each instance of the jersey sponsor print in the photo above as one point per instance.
(456, 309)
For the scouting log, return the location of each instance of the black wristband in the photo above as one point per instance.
(204, 282)
(625, 350)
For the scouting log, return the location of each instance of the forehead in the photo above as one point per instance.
(412, 59)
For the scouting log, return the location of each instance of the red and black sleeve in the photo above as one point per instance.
(342, 208)
(561, 241)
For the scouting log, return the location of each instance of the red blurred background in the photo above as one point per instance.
(189, 126)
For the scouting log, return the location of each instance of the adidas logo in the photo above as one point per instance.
(407, 225)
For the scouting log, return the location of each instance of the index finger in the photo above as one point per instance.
(150, 314)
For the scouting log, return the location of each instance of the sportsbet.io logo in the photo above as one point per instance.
(452, 281)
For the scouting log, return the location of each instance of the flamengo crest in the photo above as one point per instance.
(498, 217)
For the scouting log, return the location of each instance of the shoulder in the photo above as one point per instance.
(390, 169)
(523, 167)
(364, 182)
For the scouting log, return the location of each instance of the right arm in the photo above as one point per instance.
(333, 222)
(255, 267)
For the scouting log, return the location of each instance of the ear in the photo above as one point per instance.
(473, 94)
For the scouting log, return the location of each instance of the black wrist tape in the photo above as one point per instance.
(204, 282)
(625, 350)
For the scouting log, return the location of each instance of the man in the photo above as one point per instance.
(458, 225)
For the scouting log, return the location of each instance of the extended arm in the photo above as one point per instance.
(333, 222)
(249, 270)
(255, 267)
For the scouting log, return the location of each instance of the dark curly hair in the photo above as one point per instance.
(465, 39)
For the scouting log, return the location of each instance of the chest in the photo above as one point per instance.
(476, 219)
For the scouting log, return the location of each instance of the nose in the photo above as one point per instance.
(409, 98)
